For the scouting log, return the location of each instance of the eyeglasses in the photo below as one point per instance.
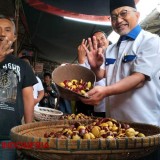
(122, 14)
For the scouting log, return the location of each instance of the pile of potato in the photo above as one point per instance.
(100, 128)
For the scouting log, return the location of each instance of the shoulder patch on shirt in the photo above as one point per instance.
(109, 61)
(128, 58)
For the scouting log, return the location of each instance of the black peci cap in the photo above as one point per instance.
(120, 3)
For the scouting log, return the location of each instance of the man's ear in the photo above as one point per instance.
(138, 14)
(14, 39)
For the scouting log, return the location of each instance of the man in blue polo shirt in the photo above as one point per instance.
(132, 69)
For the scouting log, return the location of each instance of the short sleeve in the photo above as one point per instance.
(39, 84)
(148, 55)
(29, 78)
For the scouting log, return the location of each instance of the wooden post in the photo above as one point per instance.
(16, 25)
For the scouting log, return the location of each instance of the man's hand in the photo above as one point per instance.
(94, 54)
(5, 46)
(49, 88)
(81, 52)
(95, 95)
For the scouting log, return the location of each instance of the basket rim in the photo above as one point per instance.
(77, 65)
(58, 113)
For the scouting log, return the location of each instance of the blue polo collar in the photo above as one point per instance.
(132, 35)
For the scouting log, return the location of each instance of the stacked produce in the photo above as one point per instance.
(78, 86)
(100, 128)
(73, 116)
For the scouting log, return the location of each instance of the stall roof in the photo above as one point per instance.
(152, 22)
(56, 38)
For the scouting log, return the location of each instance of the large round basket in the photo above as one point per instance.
(70, 72)
(30, 139)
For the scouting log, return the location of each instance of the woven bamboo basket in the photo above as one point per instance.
(46, 114)
(70, 72)
(102, 149)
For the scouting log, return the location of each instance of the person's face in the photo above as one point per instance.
(124, 19)
(102, 41)
(47, 79)
(7, 29)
